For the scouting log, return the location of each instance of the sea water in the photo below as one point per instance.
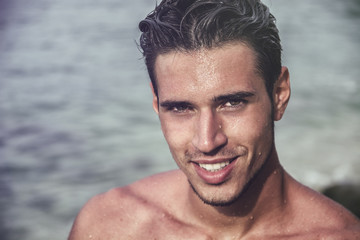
(76, 116)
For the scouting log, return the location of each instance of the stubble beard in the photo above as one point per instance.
(235, 198)
(214, 203)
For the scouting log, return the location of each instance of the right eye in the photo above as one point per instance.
(179, 109)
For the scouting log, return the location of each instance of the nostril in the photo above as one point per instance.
(207, 143)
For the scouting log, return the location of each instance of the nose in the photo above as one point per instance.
(208, 132)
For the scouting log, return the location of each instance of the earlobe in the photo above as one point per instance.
(281, 94)
(155, 101)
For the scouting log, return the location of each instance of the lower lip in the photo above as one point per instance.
(217, 177)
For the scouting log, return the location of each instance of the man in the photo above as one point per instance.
(218, 86)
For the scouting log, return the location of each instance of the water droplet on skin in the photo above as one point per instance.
(275, 172)
(90, 236)
(251, 218)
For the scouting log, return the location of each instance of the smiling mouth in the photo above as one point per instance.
(214, 167)
(214, 171)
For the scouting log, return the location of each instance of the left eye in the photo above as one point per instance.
(233, 103)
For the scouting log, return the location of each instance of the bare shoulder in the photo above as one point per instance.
(131, 212)
(317, 215)
(105, 209)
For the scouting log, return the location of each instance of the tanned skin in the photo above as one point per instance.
(217, 119)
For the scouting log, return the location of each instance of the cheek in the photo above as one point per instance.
(250, 129)
(177, 134)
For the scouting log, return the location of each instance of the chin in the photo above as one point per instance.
(218, 198)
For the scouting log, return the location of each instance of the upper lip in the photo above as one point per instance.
(214, 161)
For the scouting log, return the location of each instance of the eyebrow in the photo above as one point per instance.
(221, 98)
(233, 96)
(170, 104)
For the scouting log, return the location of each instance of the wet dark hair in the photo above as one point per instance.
(186, 25)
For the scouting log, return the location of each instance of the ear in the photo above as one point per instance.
(281, 93)
(155, 101)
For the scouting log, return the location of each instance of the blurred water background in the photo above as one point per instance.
(76, 116)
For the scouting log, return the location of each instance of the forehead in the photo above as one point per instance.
(209, 71)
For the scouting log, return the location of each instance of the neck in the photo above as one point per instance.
(264, 197)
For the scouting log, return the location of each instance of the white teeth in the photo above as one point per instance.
(214, 167)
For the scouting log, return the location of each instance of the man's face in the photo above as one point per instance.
(215, 114)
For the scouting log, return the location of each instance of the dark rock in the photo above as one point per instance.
(347, 195)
